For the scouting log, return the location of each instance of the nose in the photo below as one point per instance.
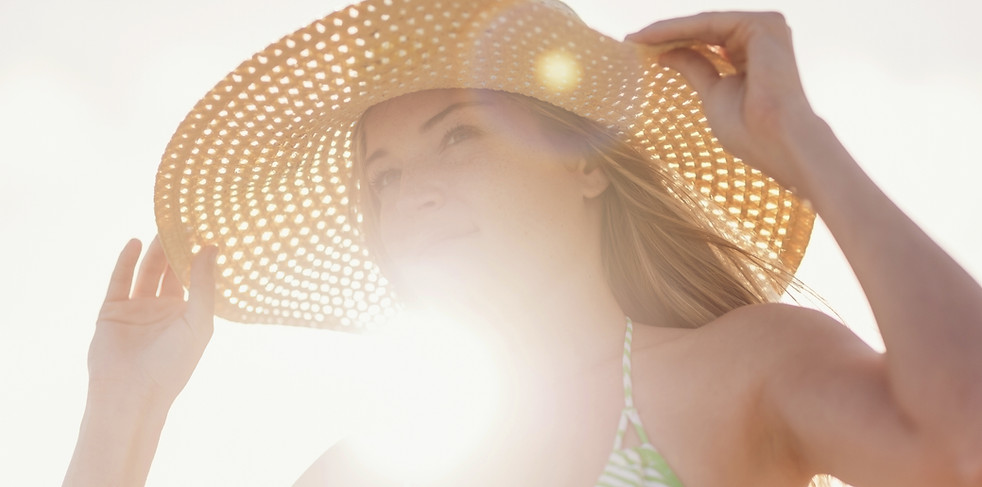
(419, 191)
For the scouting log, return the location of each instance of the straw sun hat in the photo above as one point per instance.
(261, 166)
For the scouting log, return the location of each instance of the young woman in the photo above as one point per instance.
(627, 268)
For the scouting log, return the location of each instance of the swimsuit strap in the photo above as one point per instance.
(640, 466)
(629, 413)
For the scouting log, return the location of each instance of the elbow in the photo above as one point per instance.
(969, 469)
(936, 468)
(965, 457)
(970, 476)
(969, 446)
(949, 452)
(957, 467)
(955, 434)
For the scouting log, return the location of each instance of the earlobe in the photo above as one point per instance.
(592, 179)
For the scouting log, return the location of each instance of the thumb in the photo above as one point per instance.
(694, 67)
(201, 295)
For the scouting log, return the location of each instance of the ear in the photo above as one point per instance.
(592, 179)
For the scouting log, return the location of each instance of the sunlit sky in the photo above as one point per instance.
(90, 93)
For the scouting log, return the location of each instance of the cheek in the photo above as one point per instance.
(507, 194)
(531, 203)
(390, 226)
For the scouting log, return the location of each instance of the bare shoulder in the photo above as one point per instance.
(763, 339)
(324, 470)
(783, 332)
(343, 464)
(790, 349)
(731, 375)
(824, 393)
(782, 319)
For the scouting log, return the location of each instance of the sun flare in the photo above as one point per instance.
(439, 397)
(558, 70)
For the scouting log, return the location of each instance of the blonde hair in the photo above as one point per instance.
(664, 260)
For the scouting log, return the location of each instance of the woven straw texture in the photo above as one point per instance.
(261, 166)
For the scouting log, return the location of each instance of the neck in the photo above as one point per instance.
(568, 328)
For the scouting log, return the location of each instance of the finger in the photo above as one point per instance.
(122, 276)
(716, 28)
(201, 296)
(171, 284)
(151, 270)
(709, 27)
(694, 67)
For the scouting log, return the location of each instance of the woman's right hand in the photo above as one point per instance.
(147, 342)
(148, 337)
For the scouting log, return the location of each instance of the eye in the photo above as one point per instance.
(458, 134)
(383, 178)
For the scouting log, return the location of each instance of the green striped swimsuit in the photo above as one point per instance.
(641, 466)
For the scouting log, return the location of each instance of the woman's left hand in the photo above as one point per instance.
(749, 111)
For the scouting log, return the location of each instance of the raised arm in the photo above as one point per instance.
(928, 309)
(147, 342)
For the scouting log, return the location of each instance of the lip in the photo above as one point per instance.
(426, 241)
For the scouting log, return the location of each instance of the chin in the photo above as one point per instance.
(441, 281)
(435, 279)
(458, 273)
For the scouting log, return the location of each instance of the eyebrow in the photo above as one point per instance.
(427, 125)
(435, 119)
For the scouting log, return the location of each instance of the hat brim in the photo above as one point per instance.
(261, 167)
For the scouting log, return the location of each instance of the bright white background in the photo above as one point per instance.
(91, 91)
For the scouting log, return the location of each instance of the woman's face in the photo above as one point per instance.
(473, 198)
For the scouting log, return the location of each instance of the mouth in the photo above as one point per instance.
(426, 243)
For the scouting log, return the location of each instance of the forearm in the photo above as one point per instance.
(116, 442)
(928, 309)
